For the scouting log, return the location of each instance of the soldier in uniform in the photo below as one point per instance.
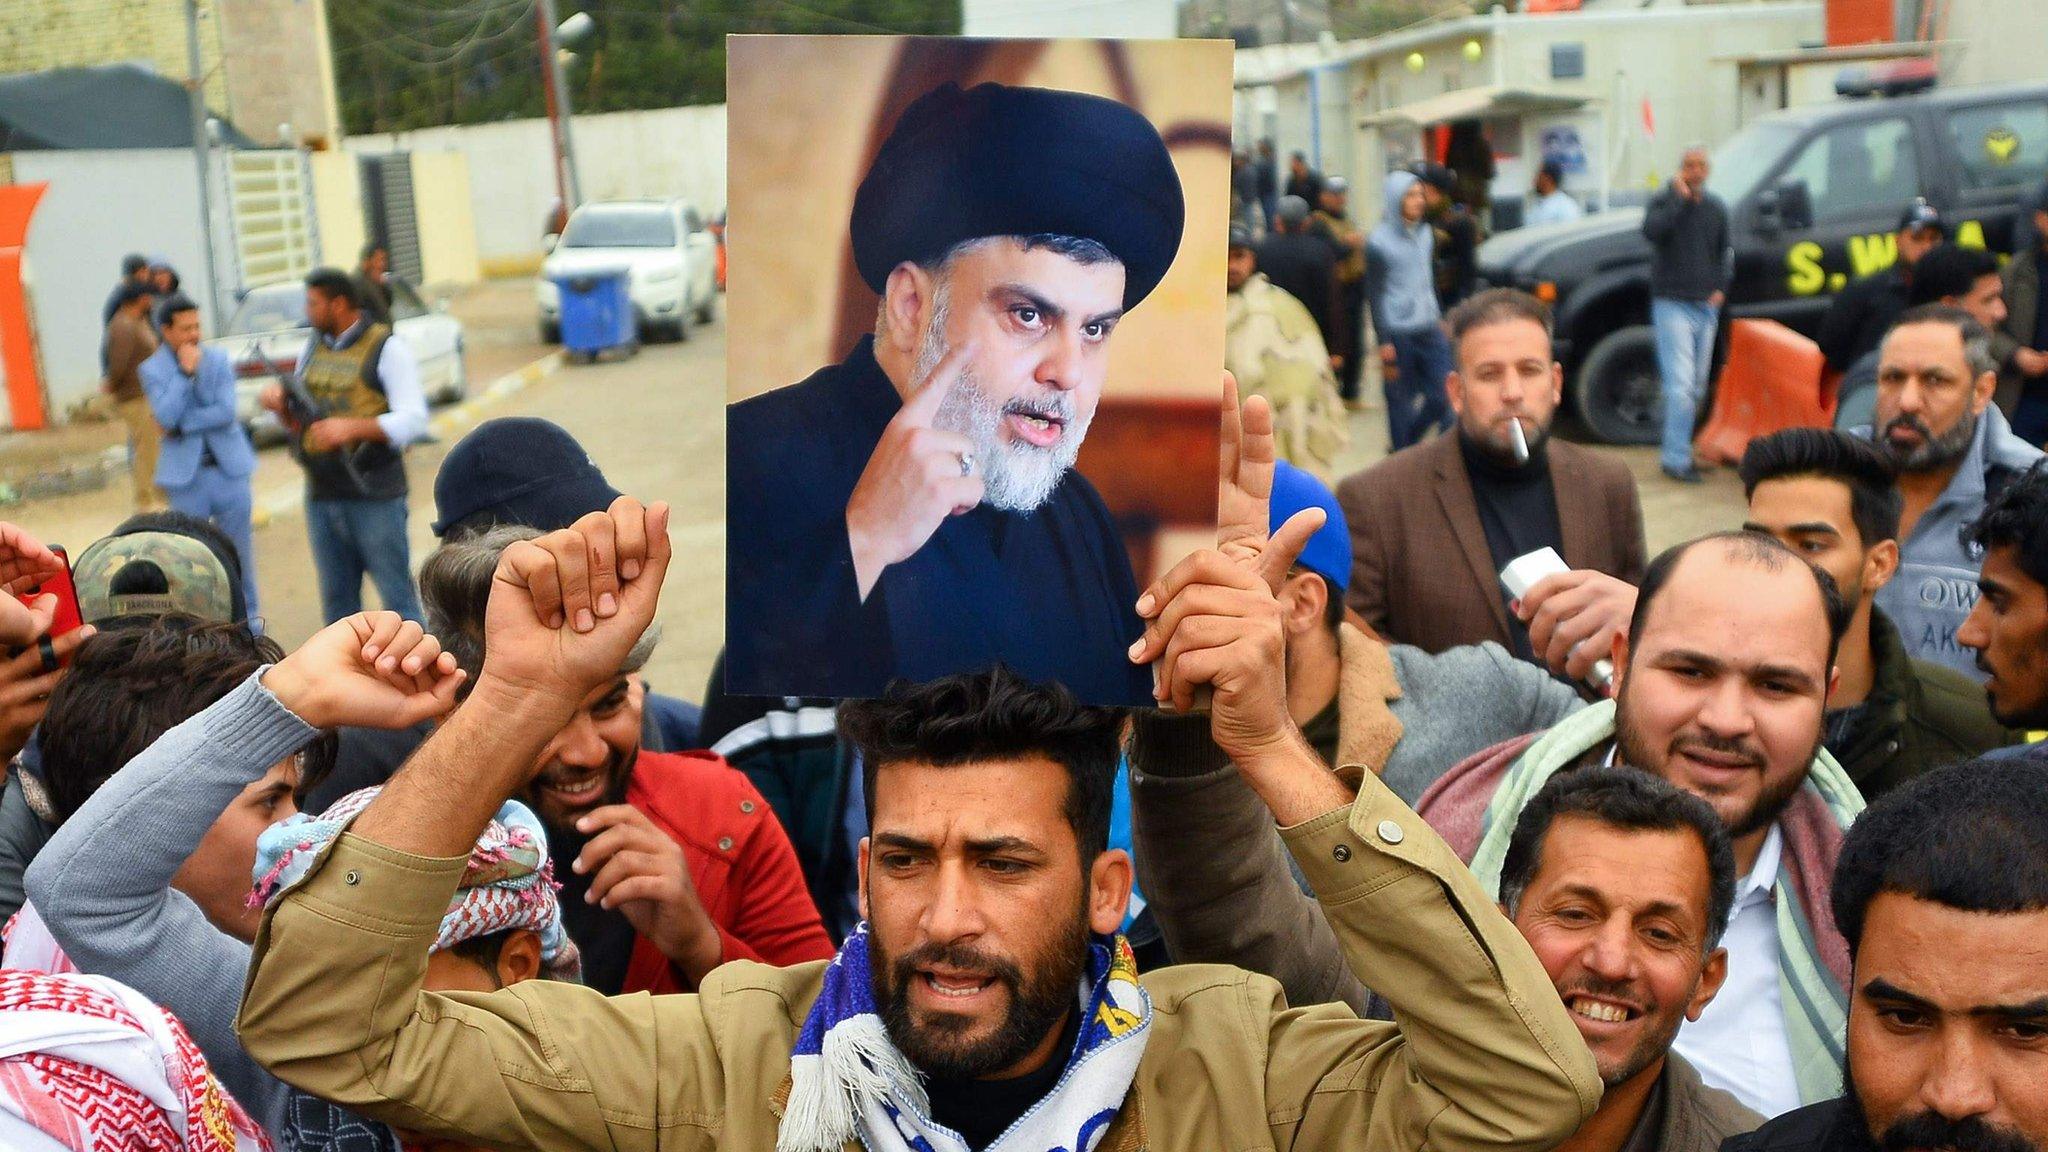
(1331, 223)
(1271, 344)
(358, 405)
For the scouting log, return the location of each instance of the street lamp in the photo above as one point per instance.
(574, 30)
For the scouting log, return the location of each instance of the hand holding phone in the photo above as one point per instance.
(26, 566)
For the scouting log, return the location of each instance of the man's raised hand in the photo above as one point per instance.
(1244, 490)
(369, 670)
(25, 562)
(566, 608)
(1575, 617)
(916, 477)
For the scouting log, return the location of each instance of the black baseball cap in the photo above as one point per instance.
(1920, 214)
(517, 470)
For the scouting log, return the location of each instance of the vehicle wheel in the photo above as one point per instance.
(1618, 389)
(550, 332)
(708, 311)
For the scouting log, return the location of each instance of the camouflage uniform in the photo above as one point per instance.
(1272, 346)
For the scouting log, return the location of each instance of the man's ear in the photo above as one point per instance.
(519, 958)
(1880, 564)
(1712, 975)
(861, 868)
(906, 299)
(1304, 600)
(1980, 395)
(1618, 656)
(1109, 891)
(1454, 387)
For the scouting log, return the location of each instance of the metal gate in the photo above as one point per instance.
(388, 201)
(270, 208)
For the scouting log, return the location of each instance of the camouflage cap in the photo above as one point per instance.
(155, 572)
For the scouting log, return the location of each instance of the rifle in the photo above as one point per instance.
(302, 410)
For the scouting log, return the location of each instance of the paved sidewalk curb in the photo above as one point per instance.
(447, 424)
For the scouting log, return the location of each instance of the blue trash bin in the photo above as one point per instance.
(596, 313)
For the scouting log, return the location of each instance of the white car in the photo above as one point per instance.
(268, 331)
(671, 262)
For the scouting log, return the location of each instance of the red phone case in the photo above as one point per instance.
(67, 618)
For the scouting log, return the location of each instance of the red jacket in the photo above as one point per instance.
(745, 871)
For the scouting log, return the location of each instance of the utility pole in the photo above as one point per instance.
(567, 187)
(201, 151)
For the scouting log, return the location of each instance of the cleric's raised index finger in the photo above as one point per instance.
(931, 392)
(1232, 432)
(1256, 452)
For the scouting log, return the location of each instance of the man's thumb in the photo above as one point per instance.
(1285, 546)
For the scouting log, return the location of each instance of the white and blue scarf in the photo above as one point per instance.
(847, 1079)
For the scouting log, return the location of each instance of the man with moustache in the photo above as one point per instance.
(1722, 678)
(1942, 893)
(1954, 452)
(671, 863)
(914, 510)
(2008, 627)
(1433, 525)
(1622, 884)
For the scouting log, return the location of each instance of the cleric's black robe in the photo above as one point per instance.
(1049, 594)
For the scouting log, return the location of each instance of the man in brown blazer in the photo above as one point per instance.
(1433, 525)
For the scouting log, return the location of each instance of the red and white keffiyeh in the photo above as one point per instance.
(88, 1064)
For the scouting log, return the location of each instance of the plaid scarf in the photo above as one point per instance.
(508, 883)
(90, 1065)
(1813, 960)
(847, 1079)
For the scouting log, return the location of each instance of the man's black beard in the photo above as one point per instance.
(1036, 1006)
(1921, 1131)
(1770, 804)
(1934, 452)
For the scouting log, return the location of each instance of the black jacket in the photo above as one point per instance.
(1301, 265)
(1692, 258)
(1860, 315)
(1049, 594)
(1919, 716)
(1814, 1128)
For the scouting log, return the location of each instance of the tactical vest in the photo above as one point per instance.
(344, 382)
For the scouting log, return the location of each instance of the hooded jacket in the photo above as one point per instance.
(1400, 281)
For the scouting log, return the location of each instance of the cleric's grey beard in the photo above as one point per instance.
(1015, 476)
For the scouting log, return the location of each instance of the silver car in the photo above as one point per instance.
(268, 331)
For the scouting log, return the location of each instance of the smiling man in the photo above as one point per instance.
(671, 863)
(1722, 681)
(914, 510)
(1622, 885)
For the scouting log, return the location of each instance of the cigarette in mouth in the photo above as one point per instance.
(1521, 442)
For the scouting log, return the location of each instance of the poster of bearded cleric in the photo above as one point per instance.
(975, 316)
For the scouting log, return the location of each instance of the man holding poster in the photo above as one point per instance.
(914, 510)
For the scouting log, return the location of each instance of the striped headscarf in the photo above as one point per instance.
(88, 1064)
(509, 882)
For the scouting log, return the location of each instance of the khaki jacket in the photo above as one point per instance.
(1483, 1057)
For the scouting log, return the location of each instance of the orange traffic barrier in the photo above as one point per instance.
(1772, 380)
(17, 332)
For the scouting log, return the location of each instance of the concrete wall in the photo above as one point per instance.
(280, 69)
(441, 198)
(37, 35)
(338, 206)
(100, 206)
(1112, 19)
(665, 152)
(2000, 40)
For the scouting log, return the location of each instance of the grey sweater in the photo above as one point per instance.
(103, 886)
(1241, 905)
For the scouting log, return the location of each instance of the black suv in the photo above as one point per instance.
(1814, 195)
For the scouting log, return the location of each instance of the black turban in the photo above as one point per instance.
(1001, 161)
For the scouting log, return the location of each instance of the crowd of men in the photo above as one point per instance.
(1733, 847)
